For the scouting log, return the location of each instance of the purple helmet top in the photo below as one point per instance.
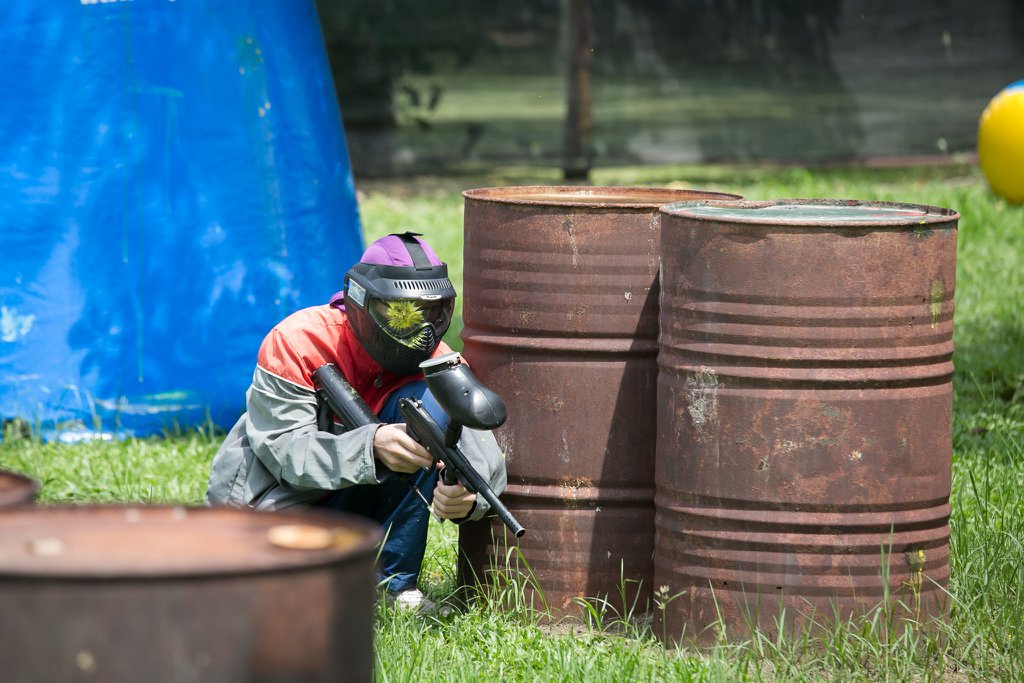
(389, 251)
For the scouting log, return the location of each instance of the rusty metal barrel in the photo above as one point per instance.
(561, 319)
(804, 414)
(185, 594)
(16, 489)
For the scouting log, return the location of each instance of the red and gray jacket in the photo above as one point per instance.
(275, 456)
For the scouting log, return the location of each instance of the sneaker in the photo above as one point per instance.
(410, 600)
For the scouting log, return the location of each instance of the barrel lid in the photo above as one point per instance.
(585, 196)
(813, 212)
(143, 542)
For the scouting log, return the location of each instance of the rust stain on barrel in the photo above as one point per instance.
(561, 319)
(827, 326)
(127, 593)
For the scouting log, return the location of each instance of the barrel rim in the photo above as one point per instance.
(23, 490)
(932, 214)
(289, 560)
(543, 195)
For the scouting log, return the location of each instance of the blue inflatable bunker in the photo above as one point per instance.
(173, 181)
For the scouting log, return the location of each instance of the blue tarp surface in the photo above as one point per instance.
(174, 180)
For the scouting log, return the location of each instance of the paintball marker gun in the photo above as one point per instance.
(461, 395)
(341, 400)
(467, 403)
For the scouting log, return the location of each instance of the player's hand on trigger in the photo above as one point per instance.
(398, 451)
(452, 502)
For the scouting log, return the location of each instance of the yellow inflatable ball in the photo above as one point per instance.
(1001, 143)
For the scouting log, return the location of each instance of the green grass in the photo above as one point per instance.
(173, 469)
(984, 639)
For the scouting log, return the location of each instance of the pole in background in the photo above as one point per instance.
(579, 121)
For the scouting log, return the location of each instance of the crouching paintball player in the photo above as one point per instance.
(396, 304)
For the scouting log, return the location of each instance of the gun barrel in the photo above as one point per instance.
(504, 513)
(426, 431)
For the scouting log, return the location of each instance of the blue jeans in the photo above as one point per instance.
(393, 505)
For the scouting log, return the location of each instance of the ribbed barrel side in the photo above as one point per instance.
(804, 411)
(561, 320)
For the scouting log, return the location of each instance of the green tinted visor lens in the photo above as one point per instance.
(403, 317)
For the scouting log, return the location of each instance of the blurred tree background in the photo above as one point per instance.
(451, 84)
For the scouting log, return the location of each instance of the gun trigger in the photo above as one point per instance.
(448, 477)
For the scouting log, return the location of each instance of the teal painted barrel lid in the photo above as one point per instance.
(813, 212)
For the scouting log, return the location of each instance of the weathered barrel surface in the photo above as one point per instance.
(185, 594)
(804, 411)
(561, 320)
(16, 489)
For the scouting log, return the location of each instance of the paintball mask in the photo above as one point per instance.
(399, 301)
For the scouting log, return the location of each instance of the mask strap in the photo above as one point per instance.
(415, 249)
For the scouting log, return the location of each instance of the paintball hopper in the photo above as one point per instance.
(468, 403)
(461, 395)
